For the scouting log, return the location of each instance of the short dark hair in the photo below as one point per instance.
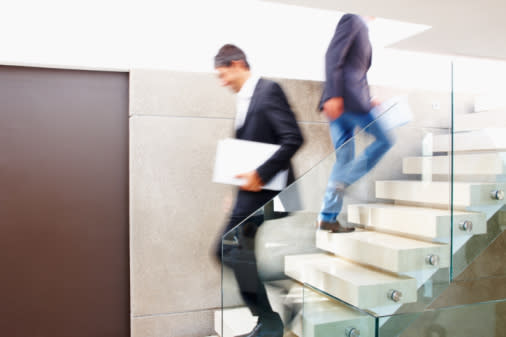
(229, 53)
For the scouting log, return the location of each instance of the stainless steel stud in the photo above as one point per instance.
(352, 332)
(497, 195)
(433, 260)
(395, 295)
(466, 226)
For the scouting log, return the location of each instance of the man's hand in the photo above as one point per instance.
(333, 108)
(253, 182)
(375, 102)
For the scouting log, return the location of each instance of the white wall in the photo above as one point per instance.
(281, 41)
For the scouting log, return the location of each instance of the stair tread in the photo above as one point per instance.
(464, 164)
(486, 139)
(361, 286)
(478, 120)
(429, 224)
(443, 183)
(346, 270)
(328, 311)
(388, 241)
(236, 321)
(426, 211)
(487, 155)
(319, 313)
(387, 252)
(424, 193)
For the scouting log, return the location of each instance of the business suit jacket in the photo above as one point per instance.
(269, 120)
(347, 61)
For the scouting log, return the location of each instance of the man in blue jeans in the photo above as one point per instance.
(346, 102)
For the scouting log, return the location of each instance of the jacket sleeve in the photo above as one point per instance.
(335, 57)
(282, 121)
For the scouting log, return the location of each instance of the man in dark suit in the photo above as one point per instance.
(263, 115)
(346, 102)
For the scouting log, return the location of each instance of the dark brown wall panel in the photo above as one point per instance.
(64, 267)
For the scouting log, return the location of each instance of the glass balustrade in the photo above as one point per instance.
(428, 219)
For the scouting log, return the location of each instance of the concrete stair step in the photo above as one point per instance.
(319, 316)
(493, 139)
(465, 194)
(357, 285)
(384, 251)
(464, 164)
(416, 222)
(236, 321)
(479, 120)
(286, 298)
(332, 318)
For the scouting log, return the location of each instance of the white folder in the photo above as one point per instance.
(393, 113)
(234, 156)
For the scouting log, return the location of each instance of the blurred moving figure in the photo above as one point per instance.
(346, 102)
(263, 115)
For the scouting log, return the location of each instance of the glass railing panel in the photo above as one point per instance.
(479, 144)
(253, 256)
(254, 286)
(410, 204)
(480, 319)
(396, 260)
(323, 316)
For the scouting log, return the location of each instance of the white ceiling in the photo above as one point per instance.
(281, 39)
(462, 27)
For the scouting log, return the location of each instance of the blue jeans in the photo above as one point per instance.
(349, 168)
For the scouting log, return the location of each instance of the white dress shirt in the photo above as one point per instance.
(243, 100)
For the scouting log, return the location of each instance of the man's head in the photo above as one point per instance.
(232, 67)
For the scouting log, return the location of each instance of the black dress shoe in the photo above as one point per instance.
(334, 227)
(271, 326)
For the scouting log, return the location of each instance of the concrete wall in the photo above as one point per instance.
(177, 212)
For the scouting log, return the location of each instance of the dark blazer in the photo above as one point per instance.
(347, 61)
(269, 120)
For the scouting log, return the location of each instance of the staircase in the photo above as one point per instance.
(404, 242)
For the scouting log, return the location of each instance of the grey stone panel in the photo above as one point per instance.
(304, 97)
(186, 324)
(177, 214)
(171, 93)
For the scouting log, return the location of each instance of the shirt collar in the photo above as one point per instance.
(248, 88)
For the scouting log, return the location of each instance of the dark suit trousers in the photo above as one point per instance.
(238, 253)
